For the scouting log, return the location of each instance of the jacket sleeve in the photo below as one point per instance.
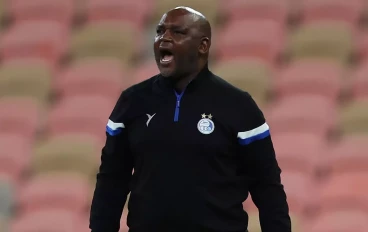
(259, 162)
(115, 171)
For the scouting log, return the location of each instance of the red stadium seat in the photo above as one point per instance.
(276, 10)
(340, 221)
(80, 114)
(60, 11)
(19, 116)
(359, 82)
(64, 191)
(345, 191)
(308, 114)
(350, 155)
(145, 71)
(36, 39)
(123, 222)
(339, 10)
(15, 154)
(312, 76)
(299, 152)
(362, 46)
(299, 188)
(135, 12)
(45, 221)
(99, 76)
(252, 40)
(83, 225)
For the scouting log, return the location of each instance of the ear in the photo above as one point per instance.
(205, 45)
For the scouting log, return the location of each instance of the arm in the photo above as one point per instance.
(259, 160)
(114, 174)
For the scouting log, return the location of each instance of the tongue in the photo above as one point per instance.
(167, 58)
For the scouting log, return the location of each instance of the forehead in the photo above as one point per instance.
(178, 18)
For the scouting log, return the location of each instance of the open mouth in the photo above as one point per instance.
(166, 56)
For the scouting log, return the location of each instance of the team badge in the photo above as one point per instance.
(206, 125)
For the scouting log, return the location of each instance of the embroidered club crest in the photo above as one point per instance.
(206, 125)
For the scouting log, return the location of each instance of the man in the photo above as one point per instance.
(197, 145)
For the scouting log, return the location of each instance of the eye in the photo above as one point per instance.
(159, 31)
(179, 32)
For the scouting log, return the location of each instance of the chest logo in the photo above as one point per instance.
(149, 118)
(206, 125)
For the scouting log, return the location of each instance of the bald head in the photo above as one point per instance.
(198, 19)
(182, 42)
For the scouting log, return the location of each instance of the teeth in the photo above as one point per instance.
(167, 58)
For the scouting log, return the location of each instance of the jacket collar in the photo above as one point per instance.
(165, 86)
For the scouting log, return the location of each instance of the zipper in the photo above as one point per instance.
(177, 107)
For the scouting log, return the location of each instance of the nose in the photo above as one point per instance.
(166, 36)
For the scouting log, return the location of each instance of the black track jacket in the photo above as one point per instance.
(195, 156)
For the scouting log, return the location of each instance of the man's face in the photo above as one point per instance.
(176, 44)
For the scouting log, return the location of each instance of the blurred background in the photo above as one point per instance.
(65, 62)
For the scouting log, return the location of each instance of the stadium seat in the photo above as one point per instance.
(344, 191)
(73, 153)
(3, 224)
(19, 116)
(144, 71)
(83, 224)
(252, 40)
(299, 152)
(15, 153)
(330, 40)
(359, 82)
(249, 74)
(123, 222)
(80, 114)
(211, 13)
(337, 10)
(276, 10)
(46, 220)
(134, 12)
(307, 113)
(362, 46)
(106, 39)
(65, 191)
(3, 8)
(298, 187)
(7, 199)
(35, 39)
(253, 221)
(254, 224)
(27, 78)
(60, 11)
(354, 118)
(350, 155)
(310, 76)
(99, 76)
(340, 221)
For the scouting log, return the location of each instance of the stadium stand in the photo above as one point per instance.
(64, 63)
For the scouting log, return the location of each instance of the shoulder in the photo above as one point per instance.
(138, 88)
(128, 96)
(246, 115)
(231, 93)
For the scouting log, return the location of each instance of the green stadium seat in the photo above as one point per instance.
(105, 39)
(331, 40)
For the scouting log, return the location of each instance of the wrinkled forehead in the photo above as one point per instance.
(178, 18)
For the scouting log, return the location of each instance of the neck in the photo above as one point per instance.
(182, 83)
